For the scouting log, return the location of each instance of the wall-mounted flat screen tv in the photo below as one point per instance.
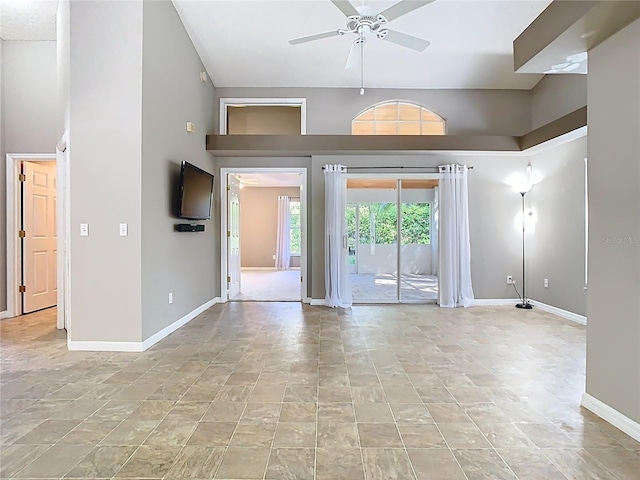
(196, 193)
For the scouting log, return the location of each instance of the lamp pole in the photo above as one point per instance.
(525, 302)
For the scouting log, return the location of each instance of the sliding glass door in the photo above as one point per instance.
(389, 225)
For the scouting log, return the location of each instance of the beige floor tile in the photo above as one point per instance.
(519, 381)
(291, 464)
(49, 432)
(248, 463)
(101, 462)
(298, 412)
(196, 462)
(149, 461)
(435, 464)
(339, 464)
(390, 464)
(224, 412)
(213, 434)
(379, 435)
(294, 434)
(55, 462)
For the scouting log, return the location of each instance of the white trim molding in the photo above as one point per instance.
(495, 302)
(574, 317)
(265, 102)
(316, 301)
(3, 315)
(611, 415)
(144, 345)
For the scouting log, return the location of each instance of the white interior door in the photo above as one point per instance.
(233, 236)
(39, 250)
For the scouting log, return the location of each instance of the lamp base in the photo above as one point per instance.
(525, 305)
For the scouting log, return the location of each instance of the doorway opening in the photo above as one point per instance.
(263, 234)
(32, 233)
(392, 238)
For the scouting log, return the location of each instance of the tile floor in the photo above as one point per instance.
(287, 392)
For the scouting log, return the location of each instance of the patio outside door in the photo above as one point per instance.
(389, 226)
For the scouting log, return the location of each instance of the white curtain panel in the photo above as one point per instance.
(336, 274)
(283, 254)
(434, 232)
(455, 248)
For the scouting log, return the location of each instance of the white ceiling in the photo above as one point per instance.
(28, 20)
(245, 44)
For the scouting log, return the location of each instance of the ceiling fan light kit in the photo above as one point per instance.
(364, 22)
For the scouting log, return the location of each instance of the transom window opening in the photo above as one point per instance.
(397, 118)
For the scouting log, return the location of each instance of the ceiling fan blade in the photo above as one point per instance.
(345, 7)
(403, 7)
(353, 60)
(405, 40)
(317, 36)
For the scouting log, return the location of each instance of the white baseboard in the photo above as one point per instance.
(611, 415)
(155, 338)
(316, 301)
(144, 345)
(494, 302)
(3, 314)
(574, 317)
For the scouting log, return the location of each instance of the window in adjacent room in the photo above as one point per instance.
(294, 226)
(398, 118)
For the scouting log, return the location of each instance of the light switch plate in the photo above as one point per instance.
(123, 230)
(84, 229)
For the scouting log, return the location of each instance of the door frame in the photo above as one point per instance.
(398, 177)
(14, 205)
(63, 232)
(224, 208)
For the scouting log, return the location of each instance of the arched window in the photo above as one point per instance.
(397, 118)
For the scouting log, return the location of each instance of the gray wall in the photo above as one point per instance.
(556, 249)
(557, 95)
(29, 114)
(613, 330)
(105, 133)
(172, 94)
(467, 112)
(259, 222)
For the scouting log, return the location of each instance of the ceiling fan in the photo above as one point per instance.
(364, 22)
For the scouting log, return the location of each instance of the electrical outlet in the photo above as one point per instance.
(546, 283)
(274, 257)
(170, 298)
(509, 279)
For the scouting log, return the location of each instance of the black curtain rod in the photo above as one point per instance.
(376, 168)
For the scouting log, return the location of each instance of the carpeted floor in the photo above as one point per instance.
(269, 285)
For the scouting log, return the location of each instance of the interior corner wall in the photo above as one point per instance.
(29, 114)
(259, 223)
(613, 306)
(105, 163)
(181, 263)
(557, 95)
(556, 248)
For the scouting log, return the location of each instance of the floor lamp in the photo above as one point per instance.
(525, 301)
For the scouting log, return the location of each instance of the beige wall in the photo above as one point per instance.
(258, 223)
(263, 120)
(28, 114)
(613, 330)
(105, 138)
(556, 249)
(557, 95)
(467, 112)
(180, 263)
